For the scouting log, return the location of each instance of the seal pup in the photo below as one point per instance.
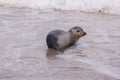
(59, 40)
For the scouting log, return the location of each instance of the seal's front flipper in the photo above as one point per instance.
(58, 48)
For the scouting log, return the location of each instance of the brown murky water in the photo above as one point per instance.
(24, 54)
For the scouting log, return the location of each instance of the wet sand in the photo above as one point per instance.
(24, 54)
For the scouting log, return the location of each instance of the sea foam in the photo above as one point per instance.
(105, 6)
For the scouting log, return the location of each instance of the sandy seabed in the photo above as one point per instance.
(24, 54)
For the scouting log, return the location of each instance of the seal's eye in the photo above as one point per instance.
(78, 31)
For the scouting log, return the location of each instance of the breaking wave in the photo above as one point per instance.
(105, 6)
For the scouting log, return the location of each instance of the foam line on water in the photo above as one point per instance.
(96, 65)
(105, 6)
(100, 67)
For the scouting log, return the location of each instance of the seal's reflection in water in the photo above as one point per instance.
(52, 53)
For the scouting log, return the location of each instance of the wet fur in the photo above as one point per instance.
(52, 39)
(59, 40)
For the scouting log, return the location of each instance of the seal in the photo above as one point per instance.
(59, 40)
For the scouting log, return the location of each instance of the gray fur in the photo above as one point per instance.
(59, 40)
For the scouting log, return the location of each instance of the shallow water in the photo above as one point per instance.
(24, 54)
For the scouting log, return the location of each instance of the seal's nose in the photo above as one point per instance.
(84, 33)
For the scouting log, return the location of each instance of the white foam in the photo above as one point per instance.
(101, 67)
(106, 6)
(95, 65)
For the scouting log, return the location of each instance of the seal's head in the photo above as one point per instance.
(77, 32)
